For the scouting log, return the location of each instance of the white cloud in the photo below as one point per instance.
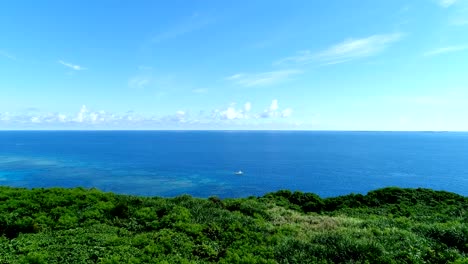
(62, 118)
(35, 119)
(93, 117)
(286, 112)
(82, 114)
(274, 105)
(262, 79)
(247, 107)
(4, 117)
(444, 50)
(72, 66)
(181, 116)
(231, 113)
(302, 57)
(274, 111)
(447, 3)
(88, 118)
(83, 118)
(348, 50)
(352, 49)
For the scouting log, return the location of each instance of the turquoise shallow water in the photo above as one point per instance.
(202, 163)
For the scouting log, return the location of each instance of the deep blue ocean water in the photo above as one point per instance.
(202, 163)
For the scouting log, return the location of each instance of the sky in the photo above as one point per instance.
(228, 65)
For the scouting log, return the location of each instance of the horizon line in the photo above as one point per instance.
(226, 130)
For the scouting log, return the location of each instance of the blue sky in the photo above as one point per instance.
(299, 65)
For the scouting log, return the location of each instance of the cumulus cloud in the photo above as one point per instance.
(272, 111)
(231, 113)
(181, 116)
(89, 118)
(245, 112)
(286, 112)
(62, 118)
(31, 118)
(274, 105)
(82, 114)
(247, 107)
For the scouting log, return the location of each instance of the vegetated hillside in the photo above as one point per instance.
(390, 225)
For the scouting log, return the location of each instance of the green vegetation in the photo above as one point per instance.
(390, 225)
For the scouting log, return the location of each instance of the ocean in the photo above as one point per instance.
(203, 163)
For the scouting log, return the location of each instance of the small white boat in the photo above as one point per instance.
(238, 172)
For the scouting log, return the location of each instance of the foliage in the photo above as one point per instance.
(390, 225)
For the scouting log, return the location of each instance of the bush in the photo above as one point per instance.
(390, 225)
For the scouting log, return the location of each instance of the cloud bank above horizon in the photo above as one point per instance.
(87, 118)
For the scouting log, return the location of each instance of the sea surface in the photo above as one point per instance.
(203, 163)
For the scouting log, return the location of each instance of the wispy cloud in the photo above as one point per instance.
(350, 49)
(447, 3)
(72, 66)
(262, 79)
(7, 55)
(302, 57)
(444, 50)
